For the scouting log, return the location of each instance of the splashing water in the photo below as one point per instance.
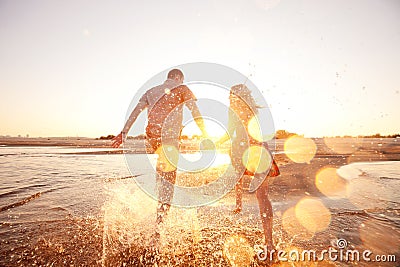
(72, 209)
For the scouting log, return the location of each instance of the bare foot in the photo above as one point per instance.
(237, 210)
(154, 244)
(272, 259)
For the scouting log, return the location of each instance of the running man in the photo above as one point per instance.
(165, 113)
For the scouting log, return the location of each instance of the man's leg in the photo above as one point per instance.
(168, 155)
(239, 193)
(165, 188)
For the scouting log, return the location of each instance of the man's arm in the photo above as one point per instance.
(197, 117)
(190, 102)
(128, 124)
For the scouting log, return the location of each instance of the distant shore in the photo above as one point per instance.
(54, 141)
(98, 142)
(366, 148)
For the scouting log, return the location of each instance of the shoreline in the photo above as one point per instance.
(359, 148)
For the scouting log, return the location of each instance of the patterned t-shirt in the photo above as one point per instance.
(165, 109)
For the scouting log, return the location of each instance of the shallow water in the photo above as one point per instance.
(65, 206)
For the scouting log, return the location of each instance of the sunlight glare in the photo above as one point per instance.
(293, 227)
(255, 130)
(300, 149)
(168, 156)
(330, 183)
(213, 129)
(256, 159)
(312, 214)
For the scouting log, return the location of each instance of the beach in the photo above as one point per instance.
(74, 201)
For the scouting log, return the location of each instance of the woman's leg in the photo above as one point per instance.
(265, 212)
(239, 193)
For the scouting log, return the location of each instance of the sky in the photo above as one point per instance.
(325, 68)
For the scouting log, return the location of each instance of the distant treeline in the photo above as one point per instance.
(280, 134)
(111, 136)
(283, 134)
(108, 137)
(378, 135)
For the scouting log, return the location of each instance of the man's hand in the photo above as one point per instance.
(117, 141)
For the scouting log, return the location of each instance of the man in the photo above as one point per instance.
(165, 112)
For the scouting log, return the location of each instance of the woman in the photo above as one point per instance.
(242, 110)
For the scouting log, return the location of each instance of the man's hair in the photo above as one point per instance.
(172, 74)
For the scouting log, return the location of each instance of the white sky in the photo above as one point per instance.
(71, 68)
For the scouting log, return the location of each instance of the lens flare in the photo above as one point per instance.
(238, 251)
(255, 130)
(330, 183)
(256, 159)
(312, 214)
(300, 149)
(342, 145)
(293, 227)
(168, 156)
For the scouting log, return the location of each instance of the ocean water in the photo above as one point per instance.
(62, 178)
(79, 206)
(375, 184)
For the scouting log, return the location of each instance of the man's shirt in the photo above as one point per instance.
(165, 109)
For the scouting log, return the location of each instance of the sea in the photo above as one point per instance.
(80, 206)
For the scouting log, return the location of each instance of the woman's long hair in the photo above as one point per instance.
(242, 102)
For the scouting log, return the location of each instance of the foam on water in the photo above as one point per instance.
(374, 169)
(373, 192)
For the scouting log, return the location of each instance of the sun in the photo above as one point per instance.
(213, 129)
